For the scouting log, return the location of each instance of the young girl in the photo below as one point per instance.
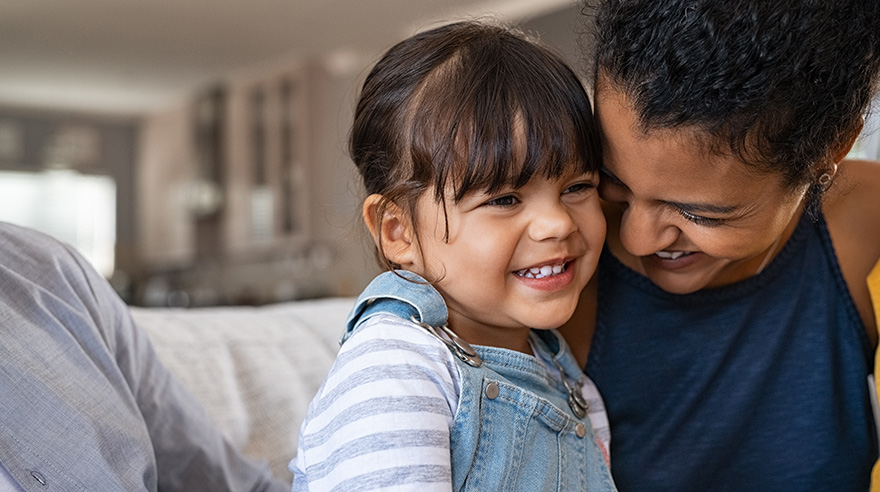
(480, 156)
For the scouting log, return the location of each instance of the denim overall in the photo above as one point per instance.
(514, 429)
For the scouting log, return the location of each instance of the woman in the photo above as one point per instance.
(729, 326)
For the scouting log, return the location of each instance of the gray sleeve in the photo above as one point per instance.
(191, 454)
(85, 403)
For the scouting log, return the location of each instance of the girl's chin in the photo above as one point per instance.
(559, 318)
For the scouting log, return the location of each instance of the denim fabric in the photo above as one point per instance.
(404, 295)
(514, 430)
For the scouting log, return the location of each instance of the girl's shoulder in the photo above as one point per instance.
(852, 212)
(386, 343)
(387, 359)
(386, 332)
(392, 384)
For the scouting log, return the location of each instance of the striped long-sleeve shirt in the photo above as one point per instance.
(382, 418)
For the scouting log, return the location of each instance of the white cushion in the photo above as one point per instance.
(255, 369)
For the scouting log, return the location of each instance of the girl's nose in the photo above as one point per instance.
(644, 231)
(552, 222)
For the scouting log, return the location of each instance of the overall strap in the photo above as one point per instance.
(399, 293)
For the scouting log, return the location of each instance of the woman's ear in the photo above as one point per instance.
(392, 232)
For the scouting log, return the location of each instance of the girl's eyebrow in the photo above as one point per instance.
(695, 207)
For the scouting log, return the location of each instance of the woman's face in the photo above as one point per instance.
(683, 217)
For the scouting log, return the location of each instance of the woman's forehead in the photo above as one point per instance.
(669, 163)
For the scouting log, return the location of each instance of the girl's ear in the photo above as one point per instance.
(393, 234)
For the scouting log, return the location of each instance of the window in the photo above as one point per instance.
(76, 208)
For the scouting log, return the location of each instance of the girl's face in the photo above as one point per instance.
(515, 259)
(685, 218)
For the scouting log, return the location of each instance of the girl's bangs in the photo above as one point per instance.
(490, 147)
(497, 116)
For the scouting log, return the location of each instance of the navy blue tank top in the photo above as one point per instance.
(760, 385)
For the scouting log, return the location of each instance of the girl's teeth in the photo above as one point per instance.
(541, 272)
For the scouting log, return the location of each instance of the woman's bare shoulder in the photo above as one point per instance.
(861, 171)
(852, 205)
(852, 211)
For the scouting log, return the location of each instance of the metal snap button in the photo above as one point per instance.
(580, 429)
(39, 477)
(492, 390)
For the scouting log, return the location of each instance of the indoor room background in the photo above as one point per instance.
(195, 151)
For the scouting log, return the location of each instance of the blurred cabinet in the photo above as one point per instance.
(267, 186)
(226, 175)
(225, 200)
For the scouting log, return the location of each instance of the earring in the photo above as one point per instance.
(825, 180)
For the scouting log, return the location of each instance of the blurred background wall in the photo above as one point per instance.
(195, 151)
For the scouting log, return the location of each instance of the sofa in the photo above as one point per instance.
(255, 369)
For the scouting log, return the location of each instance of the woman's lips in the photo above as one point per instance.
(671, 255)
(673, 260)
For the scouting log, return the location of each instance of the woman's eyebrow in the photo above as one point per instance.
(701, 207)
(695, 207)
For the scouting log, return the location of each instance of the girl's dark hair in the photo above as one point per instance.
(781, 84)
(465, 107)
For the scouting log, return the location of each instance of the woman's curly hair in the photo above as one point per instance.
(781, 84)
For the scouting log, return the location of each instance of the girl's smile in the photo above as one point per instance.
(549, 277)
(513, 260)
(542, 271)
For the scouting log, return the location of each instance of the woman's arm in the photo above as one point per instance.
(852, 210)
(578, 331)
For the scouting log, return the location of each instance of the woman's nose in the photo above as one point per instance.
(644, 231)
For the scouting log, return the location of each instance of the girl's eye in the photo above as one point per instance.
(608, 178)
(579, 188)
(700, 220)
(503, 201)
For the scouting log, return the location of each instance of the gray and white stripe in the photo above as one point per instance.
(381, 419)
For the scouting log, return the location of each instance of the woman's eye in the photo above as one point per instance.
(700, 220)
(503, 201)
